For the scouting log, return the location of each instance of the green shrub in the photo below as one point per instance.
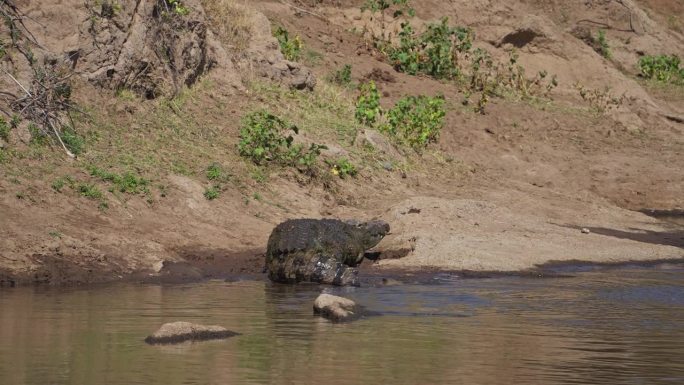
(343, 76)
(291, 48)
(416, 120)
(602, 44)
(368, 110)
(342, 168)
(214, 172)
(4, 129)
(306, 160)
(59, 183)
(662, 68)
(263, 140)
(126, 183)
(177, 7)
(72, 140)
(262, 137)
(37, 135)
(212, 193)
(89, 190)
(382, 5)
(434, 52)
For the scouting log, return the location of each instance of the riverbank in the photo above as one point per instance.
(159, 190)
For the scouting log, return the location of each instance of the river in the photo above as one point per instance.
(600, 326)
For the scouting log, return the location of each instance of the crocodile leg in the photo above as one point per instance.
(328, 270)
(316, 268)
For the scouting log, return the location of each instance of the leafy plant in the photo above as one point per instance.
(662, 68)
(72, 140)
(343, 76)
(306, 160)
(4, 129)
(600, 100)
(382, 5)
(291, 48)
(263, 140)
(434, 52)
(126, 183)
(342, 167)
(38, 136)
(491, 78)
(416, 120)
(214, 172)
(262, 137)
(177, 7)
(59, 183)
(602, 44)
(212, 193)
(89, 190)
(368, 110)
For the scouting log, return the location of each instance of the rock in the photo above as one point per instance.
(390, 282)
(263, 57)
(175, 332)
(302, 79)
(379, 142)
(336, 309)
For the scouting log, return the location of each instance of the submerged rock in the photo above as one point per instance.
(336, 309)
(175, 332)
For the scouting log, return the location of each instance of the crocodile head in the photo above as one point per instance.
(374, 230)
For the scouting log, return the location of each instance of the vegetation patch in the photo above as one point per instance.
(446, 52)
(212, 193)
(72, 140)
(127, 182)
(215, 172)
(601, 101)
(343, 76)
(89, 191)
(434, 52)
(4, 129)
(59, 183)
(416, 120)
(265, 138)
(601, 44)
(368, 110)
(290, 47)
(176, 7)
(662, 68)
(342, 167)
(327, 111)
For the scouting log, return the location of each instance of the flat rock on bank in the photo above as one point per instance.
(503, 233)
(176, 332)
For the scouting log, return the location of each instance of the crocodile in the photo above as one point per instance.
(321, 250)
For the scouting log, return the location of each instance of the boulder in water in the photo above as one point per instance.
(336, 309)
(176, 332)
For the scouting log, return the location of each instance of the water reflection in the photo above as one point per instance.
(601, 327)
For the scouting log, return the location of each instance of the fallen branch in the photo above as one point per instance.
(304, 10)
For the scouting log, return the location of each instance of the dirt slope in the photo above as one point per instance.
(507, 190)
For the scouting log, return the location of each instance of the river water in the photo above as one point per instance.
(606, 326)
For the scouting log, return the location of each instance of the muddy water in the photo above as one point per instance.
(600, 327)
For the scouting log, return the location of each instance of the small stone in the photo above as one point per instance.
(390, 282)
(176, 332)
(336, 309)
(585, 230)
